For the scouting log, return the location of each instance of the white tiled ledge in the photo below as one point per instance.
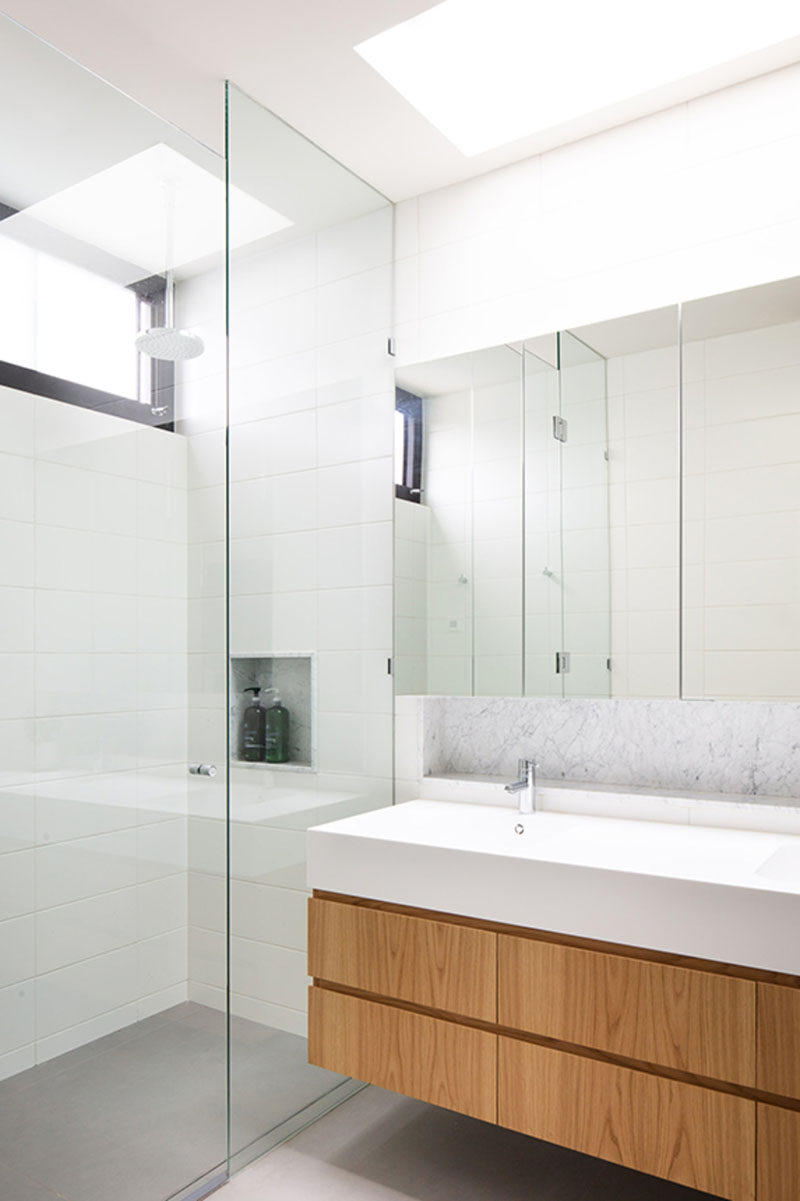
(737, 811)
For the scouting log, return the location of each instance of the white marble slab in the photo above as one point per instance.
(745, 747)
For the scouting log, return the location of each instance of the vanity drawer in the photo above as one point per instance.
(681, 1132)
(779, 1039)
(440, 965)
(778, 1154)
(437, 1061)
(695, 1021)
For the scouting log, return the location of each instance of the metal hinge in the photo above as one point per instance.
(562, 662)
(559, 428)
(608, 665)
(388, 667)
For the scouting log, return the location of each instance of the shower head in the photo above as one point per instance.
(166, 342)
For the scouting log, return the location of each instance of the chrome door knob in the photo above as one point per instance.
(202, 769)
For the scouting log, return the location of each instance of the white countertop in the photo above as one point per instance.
(732, 895)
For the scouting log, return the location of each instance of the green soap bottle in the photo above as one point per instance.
(276, 731)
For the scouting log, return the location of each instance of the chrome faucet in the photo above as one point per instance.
(525, 785)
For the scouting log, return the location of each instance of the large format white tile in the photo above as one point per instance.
(355, 619)
(274, 563)
(274, 446)
(70, 933)
(354, 306)
(85, 438)
(85, 500)
(52, 1045)
(277, 505)
(268, 973)
(355, 429)
(162, 849)
(355, 492)
(18, 558)
(85, 867)
(262, 913)
(354, 246)
(79, 807)
(17, 1016)
(163, 961)
(85, 990)
(17, 420)
(17, 895)
(17, 619)
(17, 950)
(281, 623)
(355, 555)
(16, 488)
(16, 686)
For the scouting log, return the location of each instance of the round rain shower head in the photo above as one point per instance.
(172, 344)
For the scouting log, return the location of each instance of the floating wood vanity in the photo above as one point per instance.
(684, 1068)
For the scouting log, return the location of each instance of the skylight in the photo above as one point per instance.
(488, 72)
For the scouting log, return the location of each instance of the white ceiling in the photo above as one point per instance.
(297, 58)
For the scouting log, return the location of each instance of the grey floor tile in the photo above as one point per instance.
(138, 1115)
(16, 1187)
(381, 1147)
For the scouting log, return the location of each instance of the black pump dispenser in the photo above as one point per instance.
(254, 728)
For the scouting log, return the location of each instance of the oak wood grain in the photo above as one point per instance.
(691, 1135)
(778, 1154)
(435, 964)
(717, 967)
(779, 1041)
(436, 1061)
(652, 1012)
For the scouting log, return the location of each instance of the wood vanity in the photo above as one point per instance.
(683, 1068)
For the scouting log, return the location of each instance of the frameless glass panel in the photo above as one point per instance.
(583, 440)
(741, 447)
(112, 1023)
(311, 471)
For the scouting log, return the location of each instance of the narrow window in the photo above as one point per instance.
(408, 446)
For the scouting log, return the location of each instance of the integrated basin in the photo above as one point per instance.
(783, 864)
(729, 895)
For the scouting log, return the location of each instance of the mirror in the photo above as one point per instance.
(537, 516)
(458, 528)
(741, 494)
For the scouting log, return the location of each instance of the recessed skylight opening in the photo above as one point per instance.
(488, 72)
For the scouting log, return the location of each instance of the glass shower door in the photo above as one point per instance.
(310, 522)
(113, 1056)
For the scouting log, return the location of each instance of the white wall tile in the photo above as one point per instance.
(17, 950)
(16, 488)
(354, 246)
(85, 867)
(17, 419)
(163, 961)
(85, 990)
(17, 560)
(17, 1016)
(70, 933)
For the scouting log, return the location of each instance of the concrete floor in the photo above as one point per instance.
(140, 1114)
(382, 1147)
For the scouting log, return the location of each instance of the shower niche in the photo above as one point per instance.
(292, 677)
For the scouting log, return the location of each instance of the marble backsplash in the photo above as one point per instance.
(750, 747)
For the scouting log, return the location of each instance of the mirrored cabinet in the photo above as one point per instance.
(538, 555)
(609, 511)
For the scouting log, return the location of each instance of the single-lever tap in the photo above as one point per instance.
(525, 785)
